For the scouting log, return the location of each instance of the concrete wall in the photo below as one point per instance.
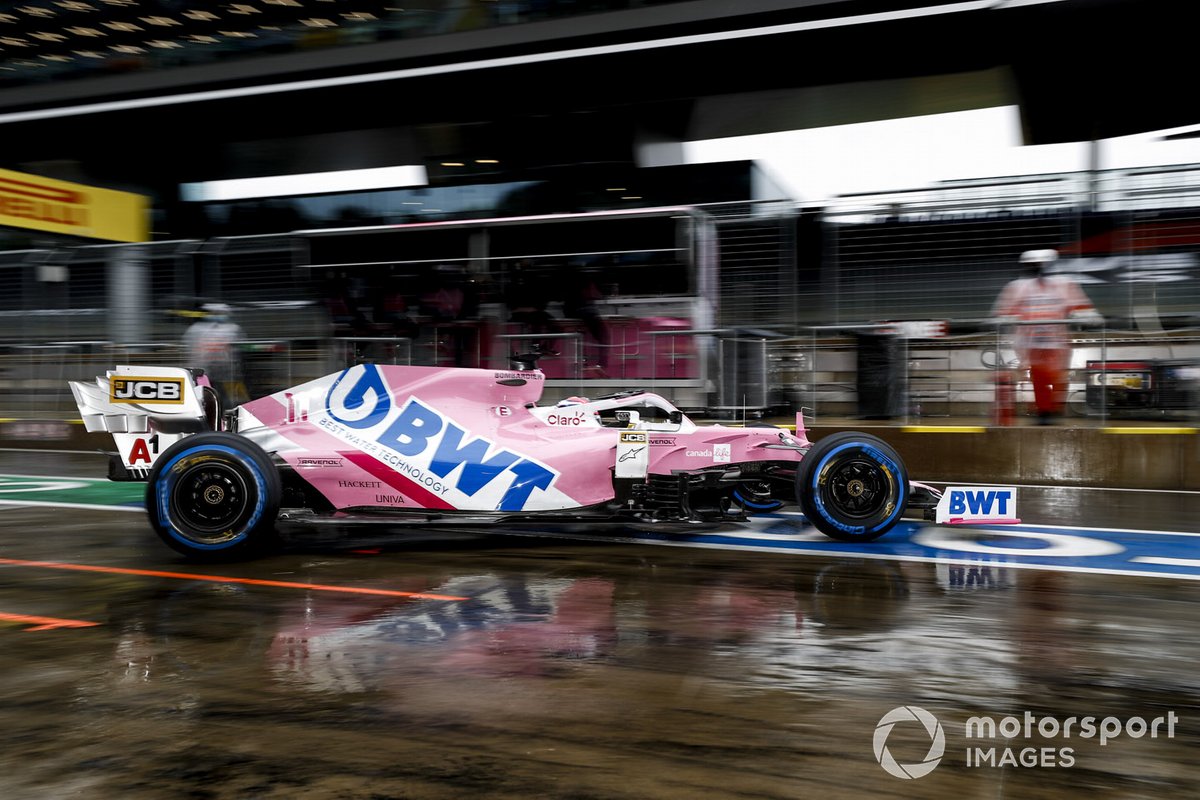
(1137, 458)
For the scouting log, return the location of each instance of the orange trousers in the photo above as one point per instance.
(1048, 374)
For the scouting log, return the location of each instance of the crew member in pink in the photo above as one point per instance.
(1040, 304)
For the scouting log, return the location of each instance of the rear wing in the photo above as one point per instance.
(146, 409)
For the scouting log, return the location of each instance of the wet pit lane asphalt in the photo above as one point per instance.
(511, 667)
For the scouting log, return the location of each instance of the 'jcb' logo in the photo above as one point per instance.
(146, 390)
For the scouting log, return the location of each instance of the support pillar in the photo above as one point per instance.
(128, 295)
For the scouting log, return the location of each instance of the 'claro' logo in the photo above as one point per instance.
(564, 420)
(146, 390)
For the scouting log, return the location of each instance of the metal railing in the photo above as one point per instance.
(346, 351)
(1114, 373)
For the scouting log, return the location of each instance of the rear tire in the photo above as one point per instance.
(852, 486)
(214, 496)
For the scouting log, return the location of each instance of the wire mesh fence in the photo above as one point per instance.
(793, 292)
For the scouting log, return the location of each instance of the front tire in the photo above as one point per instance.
(852, 486)
(754, 497)
(214, 496)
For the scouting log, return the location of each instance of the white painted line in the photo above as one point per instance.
(1168, 562)
(89, 506)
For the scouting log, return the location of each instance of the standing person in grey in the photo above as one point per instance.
(212, 344)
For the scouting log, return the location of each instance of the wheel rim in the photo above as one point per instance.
(755, 496)
(857, 488)
(208, 502)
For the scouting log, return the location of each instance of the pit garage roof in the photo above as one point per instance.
(190, 90)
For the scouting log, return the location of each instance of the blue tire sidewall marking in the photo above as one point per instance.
(166, 481)
(880, 458)
(772, 506)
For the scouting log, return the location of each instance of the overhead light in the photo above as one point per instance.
(1018, 3)
(632, 197)
(160, 21)
(200, 16)
(566, 55)
(487, 161)
(453, 164)
(617, 189)
(81, 31)
(318, 22)
(351, 180)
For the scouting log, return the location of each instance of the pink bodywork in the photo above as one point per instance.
(473, 439)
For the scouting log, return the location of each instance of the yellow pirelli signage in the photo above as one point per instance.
(44, 204)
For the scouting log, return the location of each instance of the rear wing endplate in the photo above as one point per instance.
(146, 409)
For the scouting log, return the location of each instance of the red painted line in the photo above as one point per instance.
(189, 576)
(45, 623)
(419, 494)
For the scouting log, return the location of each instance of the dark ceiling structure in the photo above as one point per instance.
(170, 91)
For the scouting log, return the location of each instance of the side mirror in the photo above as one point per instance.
(675, 417)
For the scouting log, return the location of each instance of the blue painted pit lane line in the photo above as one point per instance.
(1048, 547)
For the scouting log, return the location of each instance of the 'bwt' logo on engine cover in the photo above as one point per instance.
(146, 390)
(418, 430)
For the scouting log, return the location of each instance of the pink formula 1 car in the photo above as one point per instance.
(465, 447)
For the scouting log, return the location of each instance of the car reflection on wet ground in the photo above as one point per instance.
(513, 667)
